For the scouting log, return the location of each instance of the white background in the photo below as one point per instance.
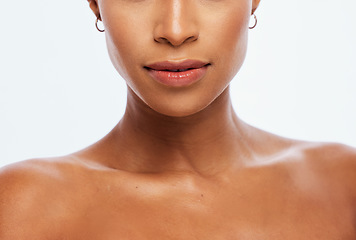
(60, 93)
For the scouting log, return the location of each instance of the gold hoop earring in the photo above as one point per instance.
(96, 25)
(255, 22)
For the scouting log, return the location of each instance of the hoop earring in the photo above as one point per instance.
(255, 22)
(96, 25)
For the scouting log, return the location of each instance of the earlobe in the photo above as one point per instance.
(95, 8)
(255, 4)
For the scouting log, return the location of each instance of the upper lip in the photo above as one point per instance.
(177, 65)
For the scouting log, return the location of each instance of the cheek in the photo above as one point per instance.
(126, 37)
(230, 35)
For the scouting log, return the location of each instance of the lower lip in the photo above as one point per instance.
(178, 79)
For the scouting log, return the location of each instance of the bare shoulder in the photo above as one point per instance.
(32, 193)
(333, 164)
(22, 179)
(29, 176)
(332, 158)
(318, 166)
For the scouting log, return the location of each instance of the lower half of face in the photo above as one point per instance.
(177, 56)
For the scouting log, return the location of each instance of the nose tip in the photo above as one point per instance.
(177, 25)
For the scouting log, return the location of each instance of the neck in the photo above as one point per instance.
(206, 142)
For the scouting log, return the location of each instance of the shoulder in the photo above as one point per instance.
(30, 195)
(333, 165)
(319, 157)
(331, 157)
(330, 150)
(34, 174)
(26, 177)
(314, 170)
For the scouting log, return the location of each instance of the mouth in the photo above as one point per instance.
(177, 73)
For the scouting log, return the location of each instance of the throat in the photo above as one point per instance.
(206, 142)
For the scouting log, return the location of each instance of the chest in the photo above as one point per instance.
(231, 215)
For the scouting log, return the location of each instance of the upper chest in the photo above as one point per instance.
(261, 207)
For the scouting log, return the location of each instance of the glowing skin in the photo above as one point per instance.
(139, 33)
(180, 164)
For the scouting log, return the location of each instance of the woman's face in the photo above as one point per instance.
(150, 40)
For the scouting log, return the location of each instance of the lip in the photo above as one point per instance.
(178, 73)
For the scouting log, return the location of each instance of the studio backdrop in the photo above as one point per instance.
(59, 92)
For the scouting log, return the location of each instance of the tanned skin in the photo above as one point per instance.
(180, 164)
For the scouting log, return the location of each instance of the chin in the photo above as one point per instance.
(182, 106)
(177, 108)
(180, 111)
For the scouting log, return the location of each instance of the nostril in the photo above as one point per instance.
(161, 40)
(176, 42)
(191, 39)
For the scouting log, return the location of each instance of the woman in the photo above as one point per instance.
(180, 164)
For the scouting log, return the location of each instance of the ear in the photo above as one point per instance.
(255, 4)
(95, 8)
